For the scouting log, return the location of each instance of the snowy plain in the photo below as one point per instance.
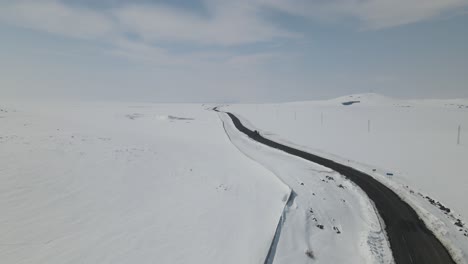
(410, 145)
(130, 183)
(177, 183)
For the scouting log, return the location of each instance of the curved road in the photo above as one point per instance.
(410, 240)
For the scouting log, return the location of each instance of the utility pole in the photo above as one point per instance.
(368, 126)
(458, 137)
(295, 115)
(321, 118)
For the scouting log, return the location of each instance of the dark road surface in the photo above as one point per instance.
(410, 240)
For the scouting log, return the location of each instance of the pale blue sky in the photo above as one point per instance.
(245, 50)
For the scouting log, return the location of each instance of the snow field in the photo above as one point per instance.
(115, 183)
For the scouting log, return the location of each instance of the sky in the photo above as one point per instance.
(232, 51)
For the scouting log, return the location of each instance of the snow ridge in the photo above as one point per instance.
(288, 203)
(274, 244)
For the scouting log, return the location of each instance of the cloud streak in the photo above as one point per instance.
(369, 14)
(226, 23)
(57, 18)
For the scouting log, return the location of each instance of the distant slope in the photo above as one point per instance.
(374, 99)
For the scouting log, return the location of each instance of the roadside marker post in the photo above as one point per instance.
(458, 137)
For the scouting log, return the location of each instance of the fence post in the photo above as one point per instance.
(458, 137)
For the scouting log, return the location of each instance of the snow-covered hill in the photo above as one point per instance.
(374, 99)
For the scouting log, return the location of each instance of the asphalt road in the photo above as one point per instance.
(410, 240)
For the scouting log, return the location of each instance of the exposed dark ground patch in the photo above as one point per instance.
(350, 102)
(179, 118)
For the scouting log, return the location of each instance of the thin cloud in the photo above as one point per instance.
(224, 25)
(57, 18)
(227, 24)
(369, 14)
